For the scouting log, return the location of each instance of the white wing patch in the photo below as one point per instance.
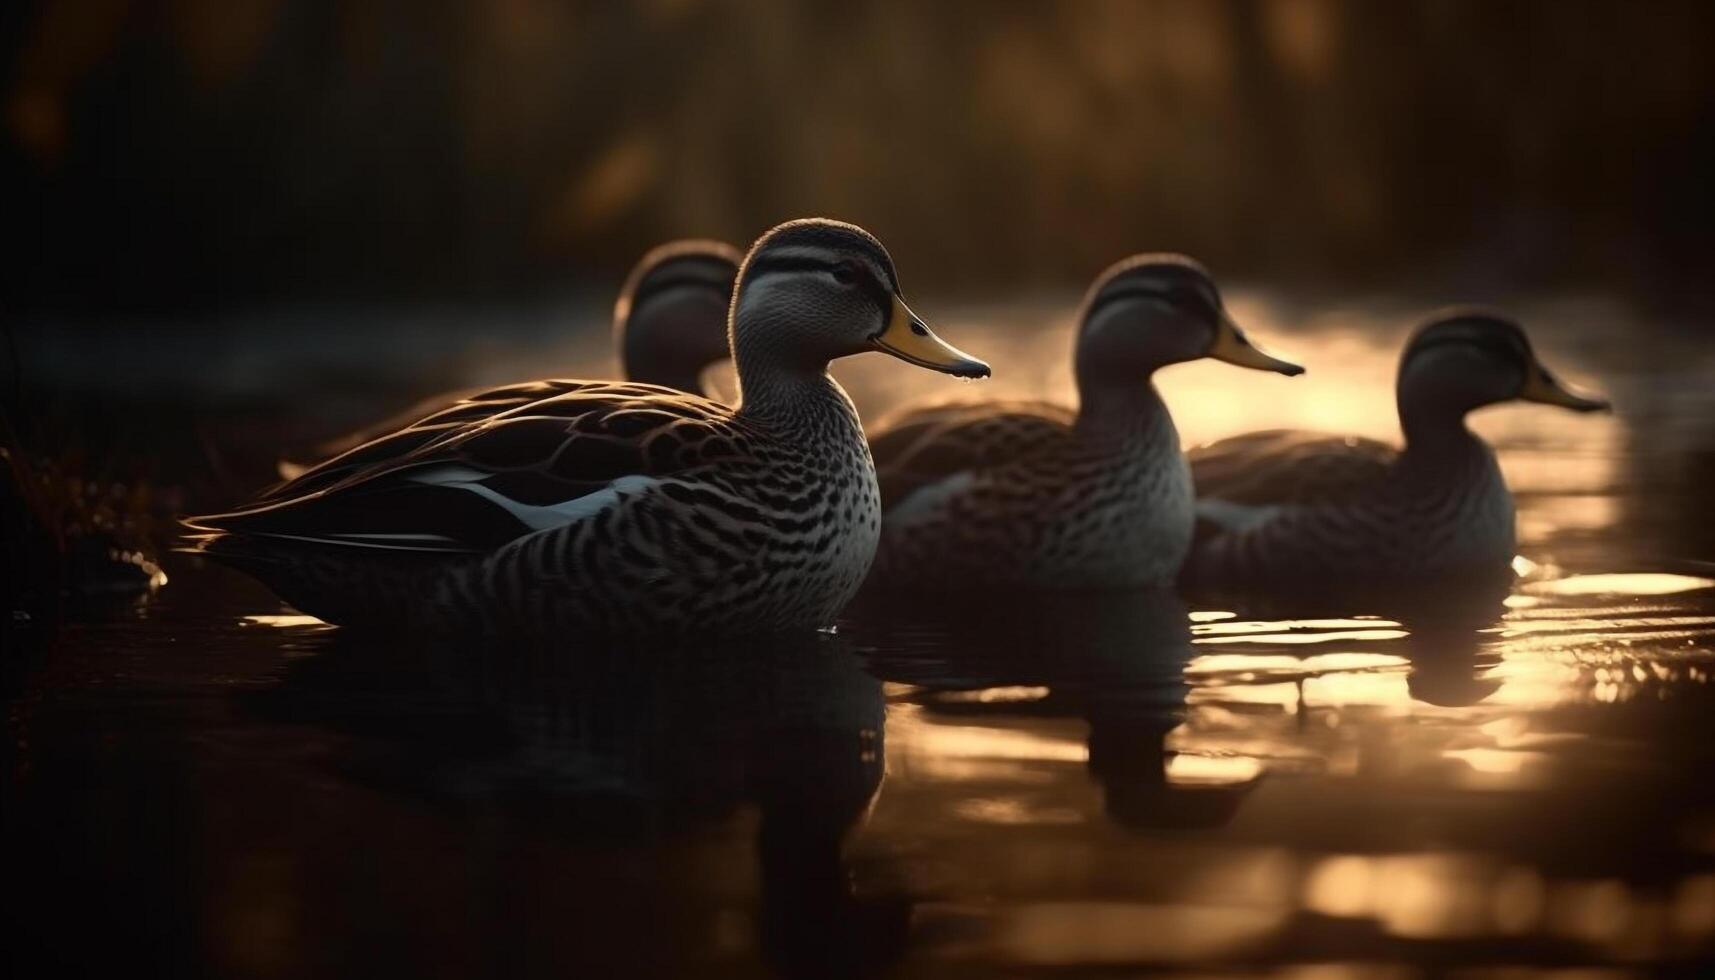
(535, 517)
(1234, 518)
(924, 501)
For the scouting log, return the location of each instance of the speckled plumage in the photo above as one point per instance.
(1103, 502)
(1035, 496)
(1420, 516)
(608, 506)
(1286, 509)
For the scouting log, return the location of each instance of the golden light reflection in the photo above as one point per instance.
(1514, 732)
(1246, 666)
(1283, 694)
(283, 621)
(1186, 769)
(1288, 625)
(970, 742)
(1388, 691)
(995, 695)
(1502, 729)
(958, 751)
(1297, 632)
(1621, 583)
(1495, 762)
(1417, 896)
(1340, 886)
(1300, 639)
(1597, 629)
(1536, 682)
(1330, 662)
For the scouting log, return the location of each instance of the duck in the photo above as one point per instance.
(670, 321)
(1031, 496)
(669, 326)
(620, 507)
(1291, 509)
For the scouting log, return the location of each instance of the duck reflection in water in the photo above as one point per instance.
(1451, 662)
(1116, 659)
(1444, 632)
(610, 745)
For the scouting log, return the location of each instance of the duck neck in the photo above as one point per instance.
(794, 398)
(1434, 429)
(1438, 445)
(1130, 415)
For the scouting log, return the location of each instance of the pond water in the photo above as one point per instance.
(206, 783)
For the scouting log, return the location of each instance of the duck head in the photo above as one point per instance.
(814, 290)
(670, 321)
(1149, 311)
(1463, 360)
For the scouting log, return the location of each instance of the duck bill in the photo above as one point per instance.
(1544, 387)
(910, 339)
(1231, 345)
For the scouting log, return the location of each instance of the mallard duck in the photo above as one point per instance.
(669, 325)
(670, 321)
(614, 506)
(1017, 494)
(1284, 507)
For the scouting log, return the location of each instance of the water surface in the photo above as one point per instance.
(206, 783)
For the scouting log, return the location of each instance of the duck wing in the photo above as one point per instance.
(471, 478)
(1288, 466)
(423, 423)
(927, 445)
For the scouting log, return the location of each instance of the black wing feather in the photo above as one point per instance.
(399, 491)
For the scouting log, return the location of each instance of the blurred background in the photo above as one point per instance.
(243, 227)
(167, 156)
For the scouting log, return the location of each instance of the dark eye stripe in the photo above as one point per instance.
(866, 281)
(1181, 298)
(1486, 343)
(654, 287)
(784, 263)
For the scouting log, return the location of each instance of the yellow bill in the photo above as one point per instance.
(910, 339)
(1541, 386)
(1231, 345)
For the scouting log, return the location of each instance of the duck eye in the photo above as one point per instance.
(844, 274)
